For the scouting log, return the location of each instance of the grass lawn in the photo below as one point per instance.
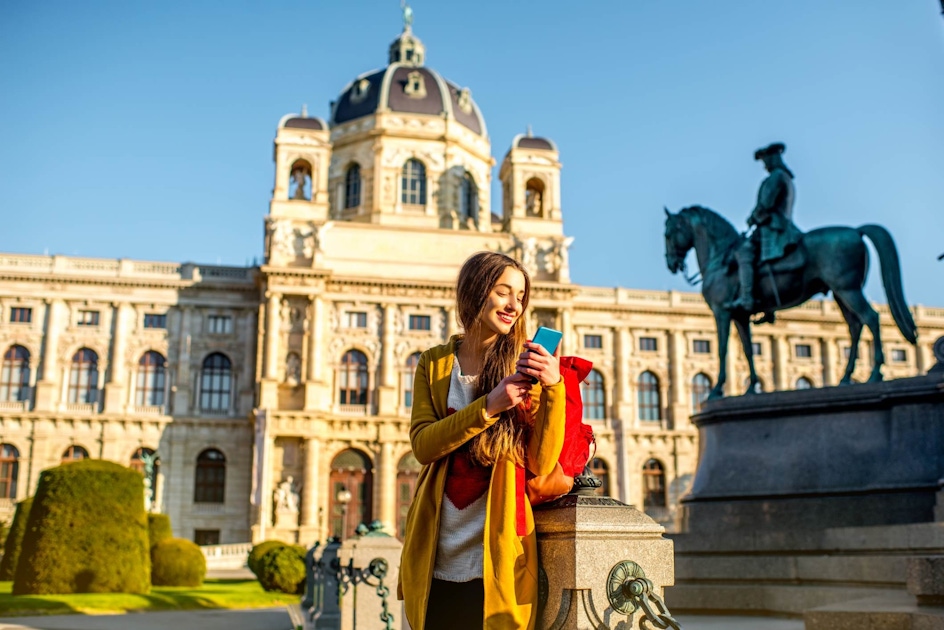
(213, 594)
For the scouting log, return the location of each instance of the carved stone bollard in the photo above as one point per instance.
(366, 573)
(604, 564)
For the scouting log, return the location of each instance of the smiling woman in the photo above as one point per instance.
(478, 427)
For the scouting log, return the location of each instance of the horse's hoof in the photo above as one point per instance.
(715, 395)
(876, 378)
(750, 391)
(846, 381)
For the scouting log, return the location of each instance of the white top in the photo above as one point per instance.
(461, 532)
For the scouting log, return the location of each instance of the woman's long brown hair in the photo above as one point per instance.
(477, 279)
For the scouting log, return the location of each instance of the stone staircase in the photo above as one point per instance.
(851, 577)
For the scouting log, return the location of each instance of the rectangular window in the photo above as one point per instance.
(701, 346)
(206, 536)
(899, 355)
(220, 324)
(88, 318)
(155, 320)
(417, 322)
(593, 341)
(356, 320)
(648, 344)
(757, 349)
(804, 351)
(21, 315)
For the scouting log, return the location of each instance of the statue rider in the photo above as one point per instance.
(775, 235)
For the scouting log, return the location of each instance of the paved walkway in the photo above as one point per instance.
(278, 619)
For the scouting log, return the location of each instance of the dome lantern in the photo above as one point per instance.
(407, 49)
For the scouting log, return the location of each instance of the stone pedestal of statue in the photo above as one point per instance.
(588, 545)
(286, 520)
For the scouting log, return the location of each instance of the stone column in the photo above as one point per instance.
(387, 402)
(781, 356)
(624, 348)
(567, 345)
(272, 336)
(310, 483)
(47, 390)
(116, 387)
(678, 386)
(828, 353)
(182, 388)
(316, 339)
(452, 327)
(387, 497)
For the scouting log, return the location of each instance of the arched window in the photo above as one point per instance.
(599, 468)
(534, 197)
(701, 387)
(83, 377)
(15, 375)
(9, 470)
(210, 479)
(650, 403)
(216, 383)
(468, 201)
(804, 383)
(407, 472)
(413, 183)
(299, 185)
(352, 379)
(150, 384)
(594, 398)
(412, 361)
(351, 492)
(653, 485)
(352, 186)
(74, 453)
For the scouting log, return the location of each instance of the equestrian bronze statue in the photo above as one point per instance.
(778, 267)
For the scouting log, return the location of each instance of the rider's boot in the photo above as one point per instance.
(745, 298)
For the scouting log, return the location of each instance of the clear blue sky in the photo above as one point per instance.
(144, 129)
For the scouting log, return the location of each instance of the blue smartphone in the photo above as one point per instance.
(549, 339)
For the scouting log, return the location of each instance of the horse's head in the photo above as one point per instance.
(679, 238)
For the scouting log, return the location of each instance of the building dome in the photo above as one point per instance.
(527, 141)
(302, 121)
(407, 86)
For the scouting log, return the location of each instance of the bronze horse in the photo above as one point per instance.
(828, 259)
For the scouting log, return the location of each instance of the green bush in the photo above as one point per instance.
(177, 562)
(87, 532)
(282, 569)
(14, 541)
(158, 528)
(256, 553)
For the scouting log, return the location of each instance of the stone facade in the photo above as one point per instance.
(302, 367)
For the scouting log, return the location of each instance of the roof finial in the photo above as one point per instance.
(304, 110)
(407, 16)
(530, 135)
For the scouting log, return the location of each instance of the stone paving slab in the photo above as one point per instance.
(254, 619)
(278, 619)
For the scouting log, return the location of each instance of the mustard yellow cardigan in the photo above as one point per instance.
(510, 564)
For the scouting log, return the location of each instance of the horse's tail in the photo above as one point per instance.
(891, 279)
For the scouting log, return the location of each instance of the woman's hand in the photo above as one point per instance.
(508, 393)
(537, 362)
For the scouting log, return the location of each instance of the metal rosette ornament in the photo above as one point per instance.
(621, 576)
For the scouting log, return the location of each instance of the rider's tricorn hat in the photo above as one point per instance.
(772, 149)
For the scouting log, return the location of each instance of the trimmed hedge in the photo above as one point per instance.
(14, 543)
(282, 569)
(257, 551)
(87, 532)
(158, 529)
(177, 562)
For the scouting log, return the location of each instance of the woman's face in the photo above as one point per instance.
(503, 306)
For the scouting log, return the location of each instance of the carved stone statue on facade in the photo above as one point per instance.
(286, 496)
(293, 369)
(300, 179)
(826, 259)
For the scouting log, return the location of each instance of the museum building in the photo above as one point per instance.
(274, 401)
